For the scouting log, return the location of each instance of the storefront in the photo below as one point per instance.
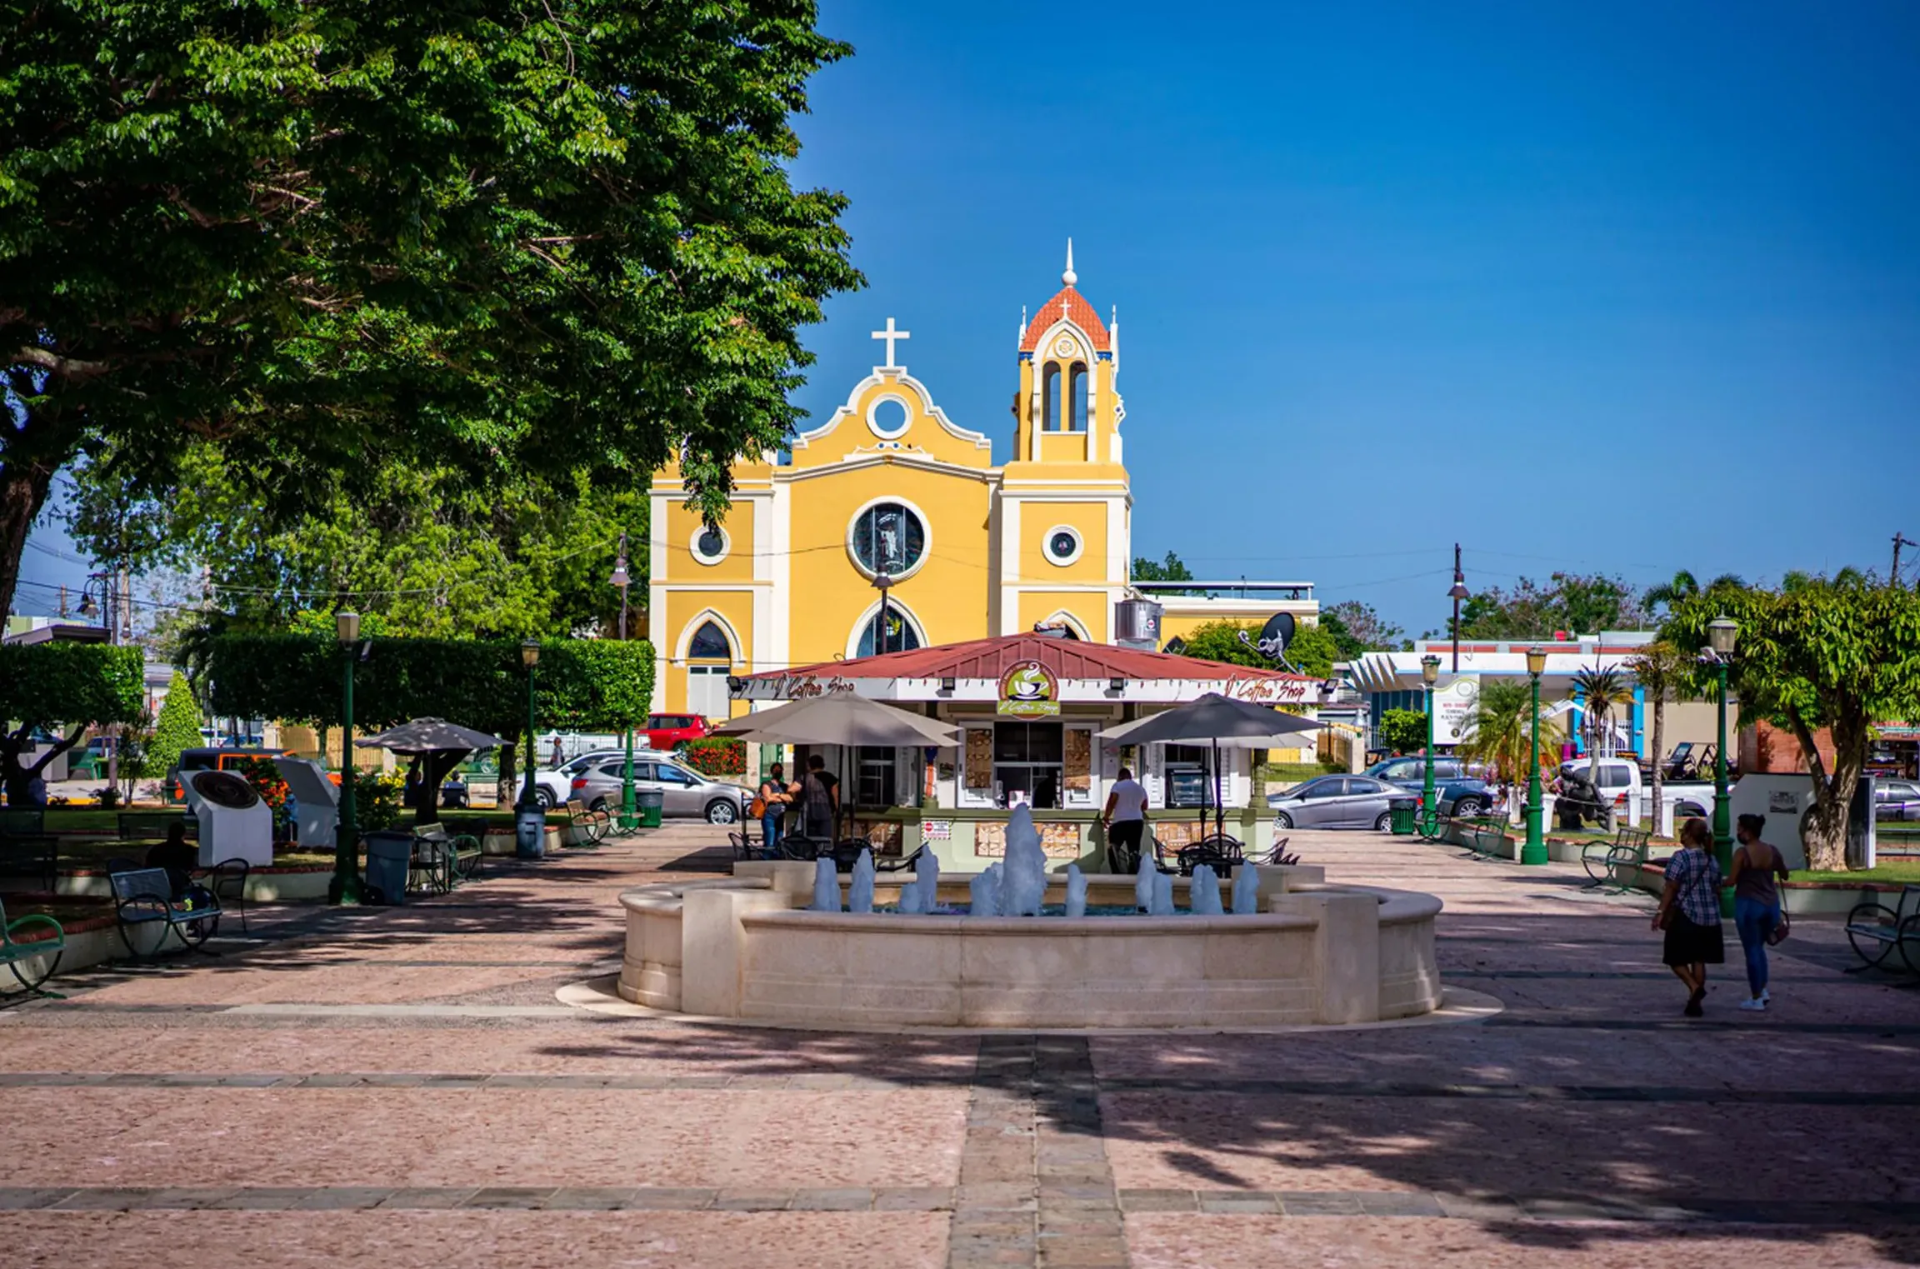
(1029, 709)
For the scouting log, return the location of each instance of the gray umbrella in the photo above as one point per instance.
(1218, 720)
(440, 745)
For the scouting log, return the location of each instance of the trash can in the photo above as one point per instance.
(647, 802)
(389, 860)
(1401, 811)
(530, 832)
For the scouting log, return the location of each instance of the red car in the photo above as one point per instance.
(664, 731)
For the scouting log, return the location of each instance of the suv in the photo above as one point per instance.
(1455, 788)
(554, 785)
(664, 731)
(683, 791)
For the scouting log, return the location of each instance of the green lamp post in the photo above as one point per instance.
(345, 887)
(1534, 849)
(530, 822)
(1721, 634)
(628, 817)
(1429, 813)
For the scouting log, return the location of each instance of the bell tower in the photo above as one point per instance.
(1064, 508)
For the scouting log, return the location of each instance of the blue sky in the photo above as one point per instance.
(1629, 287)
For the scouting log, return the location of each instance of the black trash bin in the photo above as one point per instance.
(389, 861)
(1401, 811)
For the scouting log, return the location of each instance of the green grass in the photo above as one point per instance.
(1902, 872)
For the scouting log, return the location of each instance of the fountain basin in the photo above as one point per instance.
(745, 948)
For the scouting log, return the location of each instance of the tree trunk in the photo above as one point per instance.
(1824, 830)
(1659, 748)
(15, 775)
(23, 492)
(503, 794)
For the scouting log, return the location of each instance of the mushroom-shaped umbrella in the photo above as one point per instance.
(440, 745)
(1219, 720)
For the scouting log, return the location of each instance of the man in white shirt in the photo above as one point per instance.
(1125, 819)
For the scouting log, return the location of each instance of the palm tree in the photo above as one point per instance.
(1683, 585)
(1498, 732)
(1662, 670)
(1603, 689)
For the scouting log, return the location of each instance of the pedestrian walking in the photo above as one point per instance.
(1126, 820)
(819, 799)
(776, 795)
(1690, 913)
(1757, 868)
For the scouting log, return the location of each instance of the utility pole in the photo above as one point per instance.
(1899, 540)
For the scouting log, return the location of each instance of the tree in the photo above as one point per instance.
(332, 235)
(1170, 569)
(177, 729)
(1499, 731)
(1312, 651)
(1575, 602)
(1404, 730)
(1684, 586)
(1832, 653)
(47, 687)
(1601, 688)
(1662, 670)
(1358, 629)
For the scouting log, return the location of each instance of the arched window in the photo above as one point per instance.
(901, 636)
(1050, 398)
(1077, 396)
(709, 644)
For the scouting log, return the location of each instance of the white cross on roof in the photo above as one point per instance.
(890, 334)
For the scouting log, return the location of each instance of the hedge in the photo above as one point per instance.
(579, 685)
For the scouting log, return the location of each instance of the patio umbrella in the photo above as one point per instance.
(841, 718)
(431, 739)
(1219, 720)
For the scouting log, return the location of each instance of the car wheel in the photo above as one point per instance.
(545, 798)
(722, 812)
(601, 804)
(1467, 808)
(1385, 823)
(1282, 820)
(1691, 809)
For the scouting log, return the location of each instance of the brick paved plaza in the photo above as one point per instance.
(402, 1087)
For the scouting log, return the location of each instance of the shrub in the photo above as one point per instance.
(1404, 730)
(376, 799)
(717, 756)
(265, 778)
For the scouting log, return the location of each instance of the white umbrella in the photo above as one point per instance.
(1218, 720)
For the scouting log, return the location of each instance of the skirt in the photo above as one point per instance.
(1691, 944)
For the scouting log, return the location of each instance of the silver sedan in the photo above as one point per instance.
(1336, 801)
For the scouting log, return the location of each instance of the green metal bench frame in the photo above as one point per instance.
(596, 824)
(1609, 865)
(443, 860)
(15, 955)
(1877, 931)
(142, 896)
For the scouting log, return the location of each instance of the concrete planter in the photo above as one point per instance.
(500, 841)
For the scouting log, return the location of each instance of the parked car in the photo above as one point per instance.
(683, 791)
(554, 785)
(192, 760)
(1335, 801)
(1896, 800)
(1457, 787)
(1617, 776)
(664, 731)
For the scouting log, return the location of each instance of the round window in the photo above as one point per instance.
(1062, 545)
(888, 417)
(709, 544)
(888, 538)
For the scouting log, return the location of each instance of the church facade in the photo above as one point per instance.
(891, 498)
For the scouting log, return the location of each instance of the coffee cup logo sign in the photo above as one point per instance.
(1028, 691)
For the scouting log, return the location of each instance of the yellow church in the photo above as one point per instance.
(892, 498)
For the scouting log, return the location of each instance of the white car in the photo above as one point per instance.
(554, 785)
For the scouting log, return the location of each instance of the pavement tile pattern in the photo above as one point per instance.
(412, 1068)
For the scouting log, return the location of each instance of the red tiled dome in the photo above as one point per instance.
(1077, 310)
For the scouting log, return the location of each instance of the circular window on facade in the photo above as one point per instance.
(709, 544)
(888, 417)
(1063, 545)
(888, 537)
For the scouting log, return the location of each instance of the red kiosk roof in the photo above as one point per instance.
(1063, 658)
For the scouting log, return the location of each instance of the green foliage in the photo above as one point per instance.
(333, 235)
(1602, 689)
(1220, 641)
(376, 799)
(1498, 732)
(264, 775)
(1574, 602)
(1358, 629)
(178, 728)
(1313, 651)
(1404, 730)
(45, 687)
(580, 685)
(1838, 653)
(1171, 569)
(1683, 585)
(716, 755)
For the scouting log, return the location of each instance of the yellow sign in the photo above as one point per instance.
(1028, 691)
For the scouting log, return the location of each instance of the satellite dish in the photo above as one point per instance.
(1277, 633)
(224, 789)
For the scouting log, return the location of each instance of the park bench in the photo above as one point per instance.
(144, 825)
(594, 824)
(21, 957)
(23, 856)
(1479, 839)
(1877, 931)
(1614, 863)
(144, 896)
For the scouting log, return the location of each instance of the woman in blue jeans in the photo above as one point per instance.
(776, 795)
(1757, 867)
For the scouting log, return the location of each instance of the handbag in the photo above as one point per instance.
(1778, 933)
(757, 808)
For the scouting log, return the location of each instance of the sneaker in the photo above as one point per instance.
(1766, 997)
(1756, 1005)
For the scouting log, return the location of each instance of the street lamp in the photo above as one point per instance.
(884, 581)
(345, 886)
(530, 823)
(1722, 632)
(1534, 849)
(1429, 675)
(620, 579)
(1457, 592)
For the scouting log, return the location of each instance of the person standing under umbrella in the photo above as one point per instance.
(819, 799)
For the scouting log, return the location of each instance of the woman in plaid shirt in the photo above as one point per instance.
(1690, 912)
